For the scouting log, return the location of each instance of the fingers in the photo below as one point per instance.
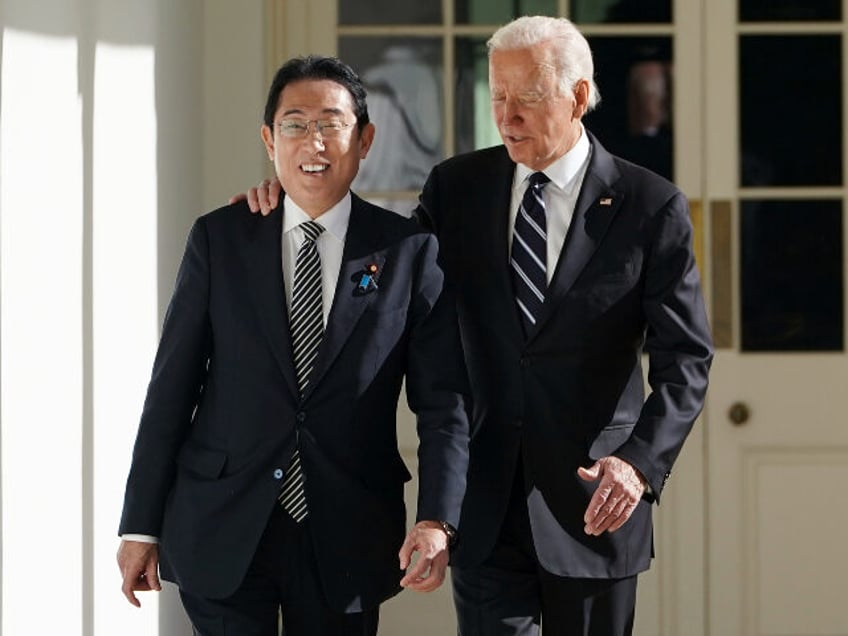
(591, 473)
(405, 553)
(135, 581)
(139, 565)
(275, 188)
(623, 516)
(599, 499)
(127, 589)
(430, 543)
(263, 198)
(619, 492)
(151, 577)
(609, 513)
(416, 573)
(253, 196)
(431, 579)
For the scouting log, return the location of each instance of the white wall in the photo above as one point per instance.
(235, 86)
(121, 121)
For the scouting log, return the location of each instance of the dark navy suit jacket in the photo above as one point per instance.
(222, 413)
(625, 284)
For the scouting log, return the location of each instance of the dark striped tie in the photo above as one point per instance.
(529, 252)
(307, 330)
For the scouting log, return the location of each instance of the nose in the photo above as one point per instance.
(510, 111)
(314, 137)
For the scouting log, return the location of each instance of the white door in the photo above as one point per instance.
(777, 440)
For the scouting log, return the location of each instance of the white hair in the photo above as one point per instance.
(572, 55)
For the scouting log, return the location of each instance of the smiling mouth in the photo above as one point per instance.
(314, 168)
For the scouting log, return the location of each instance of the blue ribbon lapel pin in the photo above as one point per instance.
(366, 280)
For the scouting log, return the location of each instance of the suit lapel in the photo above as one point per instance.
(263, 259)
(493, 228)
(597, 204)
(360, 251)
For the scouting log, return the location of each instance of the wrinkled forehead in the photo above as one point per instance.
(513, 68)
(535, 78)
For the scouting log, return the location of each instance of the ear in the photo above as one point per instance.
(366, 138)
(581, 98)
(268, 139)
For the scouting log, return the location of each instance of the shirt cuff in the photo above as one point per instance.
(143, 538)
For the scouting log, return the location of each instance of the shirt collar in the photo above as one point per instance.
(335, 220)
(563, 171)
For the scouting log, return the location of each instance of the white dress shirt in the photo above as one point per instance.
(330, 246)
(560, 195)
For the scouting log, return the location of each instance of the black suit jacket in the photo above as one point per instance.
(222, 413)
(626, 283)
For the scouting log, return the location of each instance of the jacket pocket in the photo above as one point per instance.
(205, 462)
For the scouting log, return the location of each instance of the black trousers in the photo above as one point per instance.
(282, 579)
(510, 594)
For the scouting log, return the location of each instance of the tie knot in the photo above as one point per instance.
(311, 230)
(537, 180)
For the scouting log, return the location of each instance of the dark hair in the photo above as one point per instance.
(317, 67)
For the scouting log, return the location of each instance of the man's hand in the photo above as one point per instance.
(430, 541)
(139, 565)
(263, 198)
(617, 496)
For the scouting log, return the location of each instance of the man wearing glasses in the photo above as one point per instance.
(266, 477)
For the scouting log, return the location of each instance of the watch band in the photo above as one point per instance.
(450, 531)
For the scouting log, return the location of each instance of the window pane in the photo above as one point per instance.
(790, 92)
(499, 11)
(403, 77)
(792, 276)
(474, 125)
(789, 10)
(389, 12)
(627, 11)
(634, 119)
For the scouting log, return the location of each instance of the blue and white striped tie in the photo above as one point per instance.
(307, 330)
(529, 252)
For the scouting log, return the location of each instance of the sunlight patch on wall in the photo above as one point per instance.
(124, 304)
(41, 295)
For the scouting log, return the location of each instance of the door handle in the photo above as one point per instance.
(739, 413)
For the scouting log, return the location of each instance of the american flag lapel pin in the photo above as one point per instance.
(605, 201)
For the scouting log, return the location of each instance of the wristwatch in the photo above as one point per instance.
(450, 531)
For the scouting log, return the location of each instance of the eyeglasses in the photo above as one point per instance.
(299, 128)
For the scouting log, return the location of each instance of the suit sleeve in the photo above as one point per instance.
(175, 386)
(435, 386)
(678, 345)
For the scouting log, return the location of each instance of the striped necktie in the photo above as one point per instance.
(529, 252)
(307, 330)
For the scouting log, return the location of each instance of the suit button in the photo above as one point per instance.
(300, 417)
(278, 473)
